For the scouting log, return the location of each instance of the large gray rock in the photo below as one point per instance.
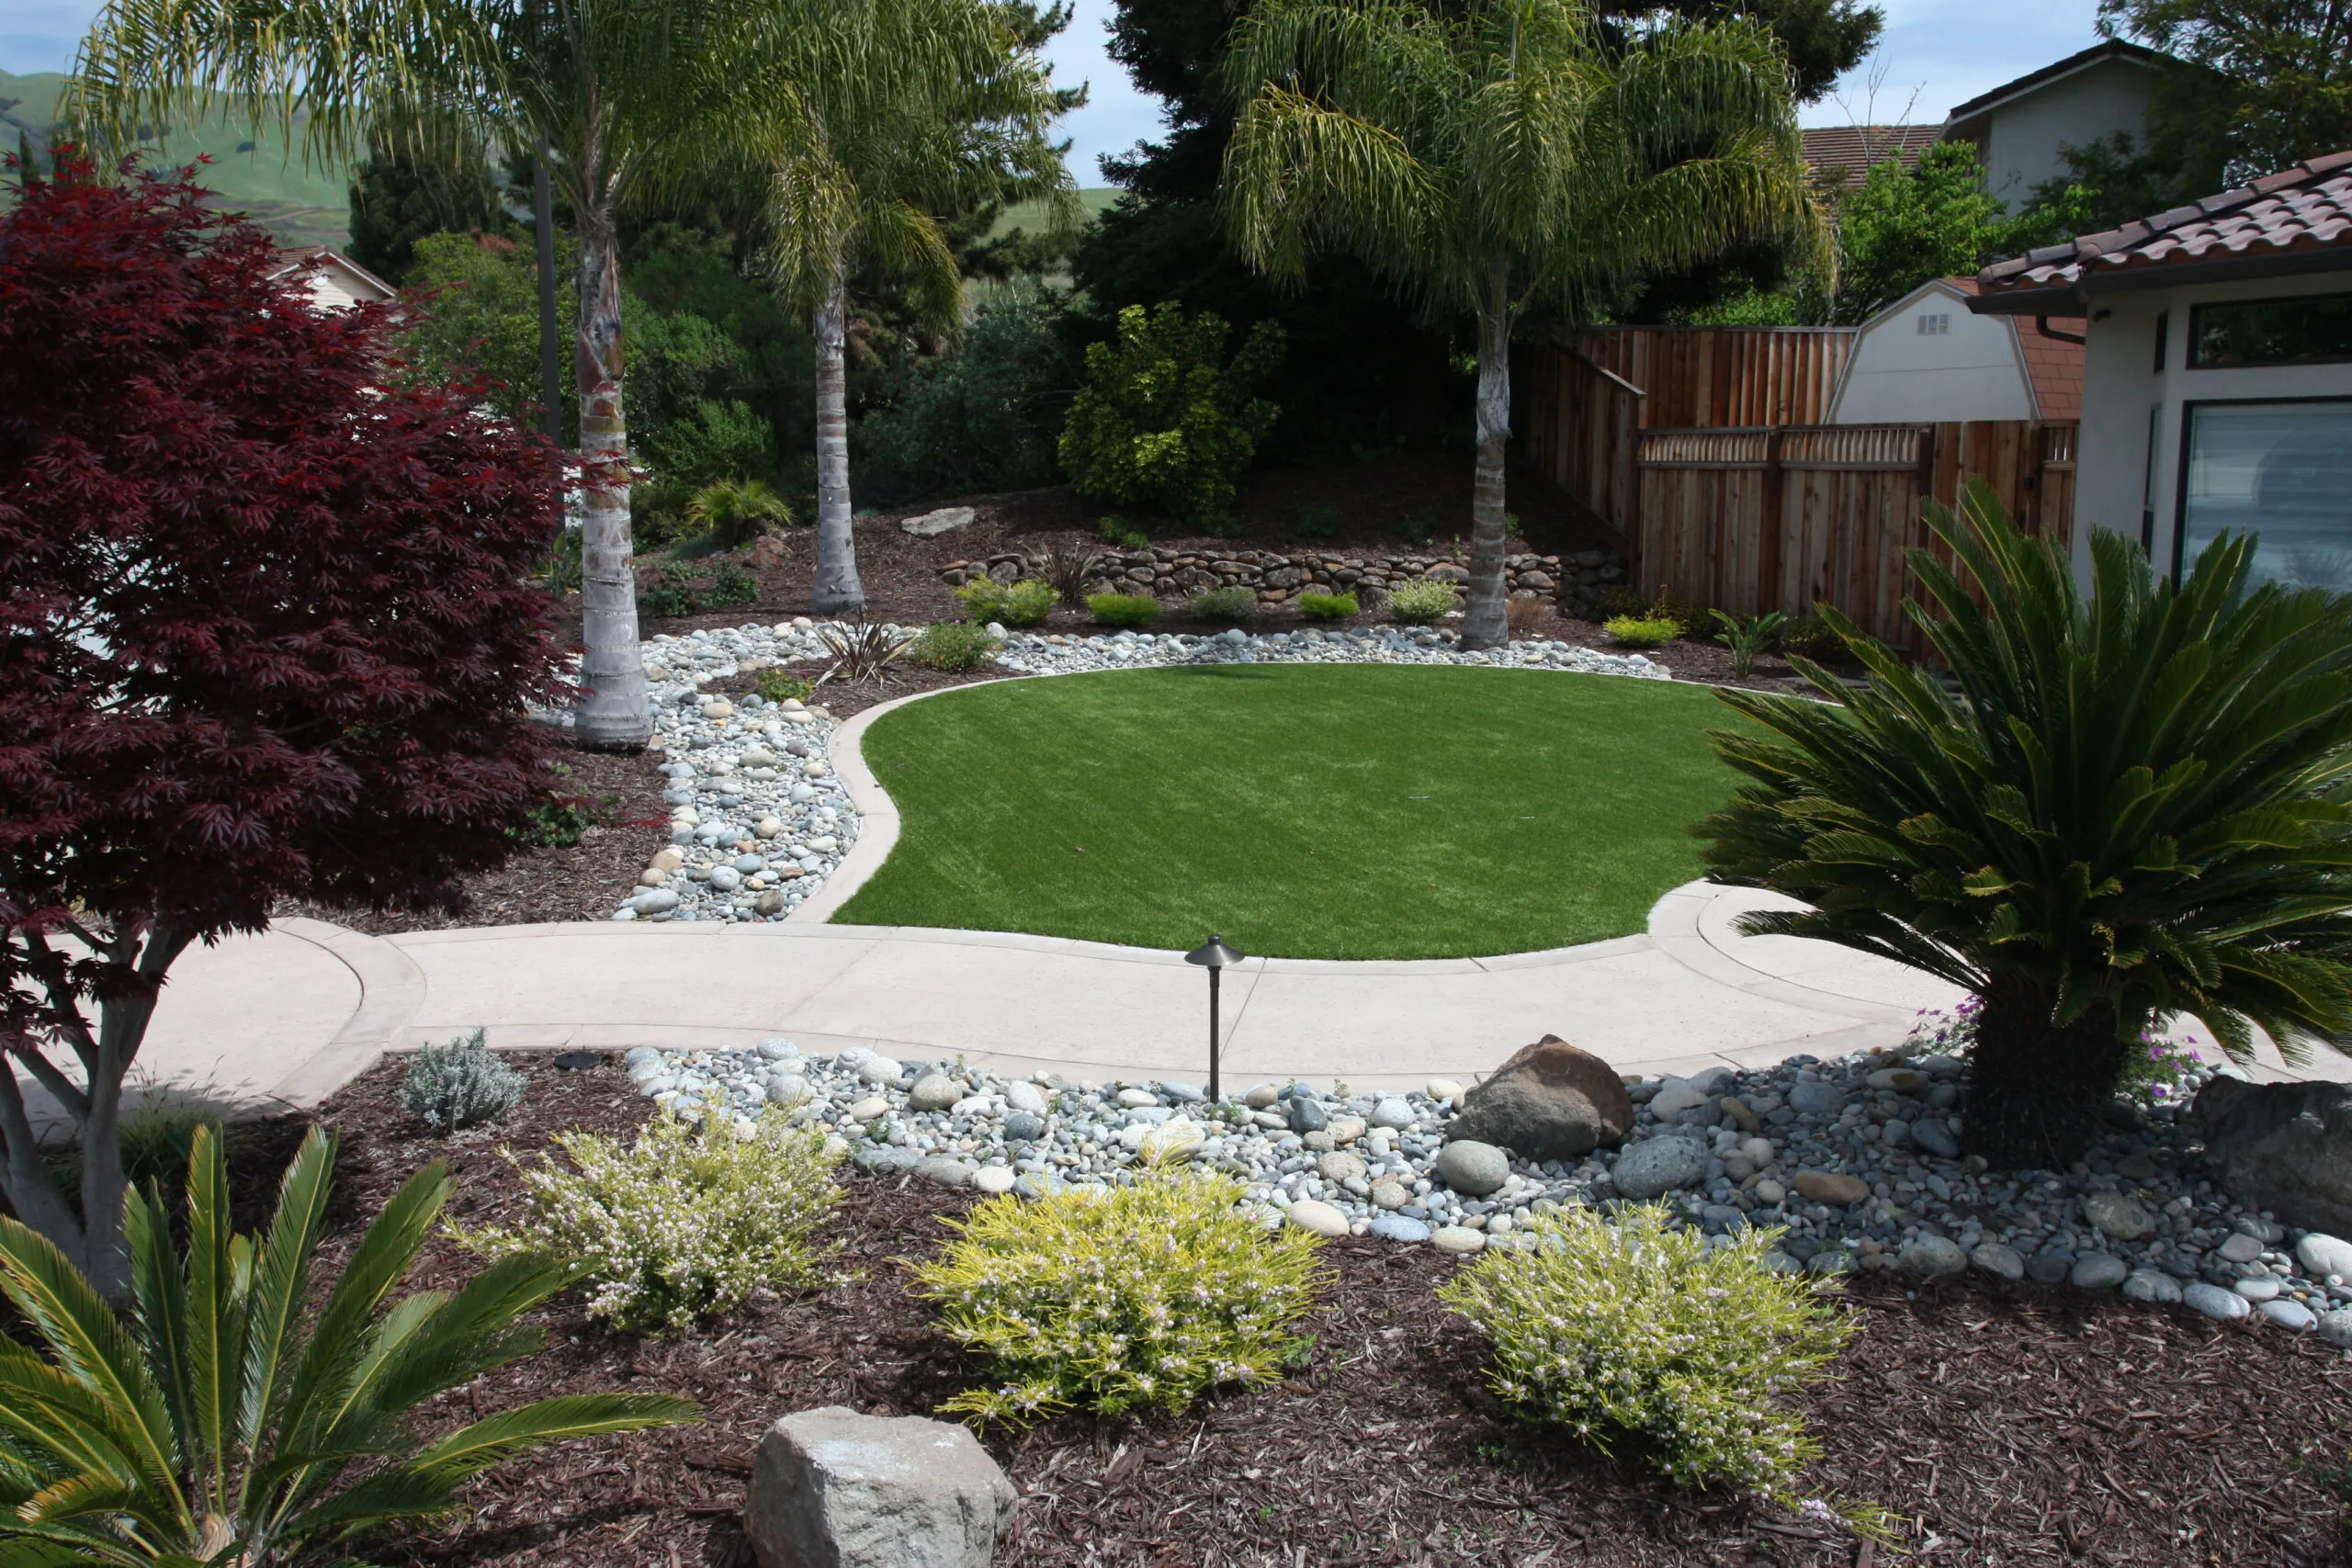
(831, 1488)
(931, 525)
(2282, 1147)
(1470, 1168)
(1550, 1100)
(1657, 1166)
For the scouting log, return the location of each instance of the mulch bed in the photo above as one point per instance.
(2008, 1425)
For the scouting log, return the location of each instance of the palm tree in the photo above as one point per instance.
(627, 100)
(2130, 809)
(1500, 156)
(949, 109)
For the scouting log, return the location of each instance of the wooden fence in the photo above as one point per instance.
(1715, 377)
(1784, 517)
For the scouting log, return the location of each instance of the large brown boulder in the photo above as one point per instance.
(1549, 1101)
(2285, 1147)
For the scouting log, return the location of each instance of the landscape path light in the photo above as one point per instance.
(1212, 956)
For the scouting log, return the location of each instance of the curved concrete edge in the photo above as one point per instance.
(392, 990)
(877, 826)
(1675, 928)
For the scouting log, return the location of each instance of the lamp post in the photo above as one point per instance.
(1212, 956)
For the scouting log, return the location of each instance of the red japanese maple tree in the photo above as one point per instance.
(265, 630)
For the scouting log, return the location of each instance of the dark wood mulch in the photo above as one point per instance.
(2008, 1426)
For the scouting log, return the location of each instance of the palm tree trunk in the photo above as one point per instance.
(1483, 623)
(616, 712)
(2036, 1088)
(837, 590)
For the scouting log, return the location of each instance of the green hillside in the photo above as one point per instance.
(1030, 215)
(251, 171)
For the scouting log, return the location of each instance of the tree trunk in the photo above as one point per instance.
(1483, 622)
(91, 1240)
(615, 710)
(550, 334)
(837, 590)
(2036, 1089)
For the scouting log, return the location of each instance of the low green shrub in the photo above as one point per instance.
(673, 593)
(955, 645)
(1634, 1328)
(1619, 602)
(459, 1085)
(1121, 609)
(735, 512)
(685, 1223)
(1327, 606)
(1140, 1298)
(1810, 636)
(1641, 631)
(1317, 521)
(730, 584)
(1419, 602)
(1235, 604)
(1023, 604)
(1114, 531)
(776, 686)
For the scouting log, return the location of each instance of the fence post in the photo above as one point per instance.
(1769, 547)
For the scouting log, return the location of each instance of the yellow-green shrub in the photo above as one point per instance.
(1419, 602)
(1142, 1297)
(684, 1223)
(1641, 631)
(1637, 1328)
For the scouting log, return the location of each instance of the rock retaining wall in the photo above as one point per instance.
(1575, 580)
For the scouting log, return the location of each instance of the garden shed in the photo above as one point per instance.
(1925, 357)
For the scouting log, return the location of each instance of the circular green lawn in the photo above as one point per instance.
(1302, 811)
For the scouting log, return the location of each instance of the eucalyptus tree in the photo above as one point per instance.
(626, 99)
(1496, 157)
(951, 108)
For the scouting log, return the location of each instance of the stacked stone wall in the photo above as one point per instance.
(1575, 580)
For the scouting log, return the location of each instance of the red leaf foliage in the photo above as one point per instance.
(266, 627)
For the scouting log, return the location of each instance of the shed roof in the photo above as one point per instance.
(2299, 220)
(2054, 367)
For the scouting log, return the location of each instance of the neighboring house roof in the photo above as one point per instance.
(1851, 152)
(2297, 221)
(340, 281)
(2035, 81)
(2054, 367)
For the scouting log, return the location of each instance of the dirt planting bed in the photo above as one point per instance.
(2006, 1426)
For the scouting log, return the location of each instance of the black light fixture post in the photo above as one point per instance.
(1212, 956)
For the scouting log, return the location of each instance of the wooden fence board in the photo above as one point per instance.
(1724, 376)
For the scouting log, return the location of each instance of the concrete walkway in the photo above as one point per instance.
(288, 1017)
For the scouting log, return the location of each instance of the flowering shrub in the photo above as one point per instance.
(1419, 603)
(684, 1223)
(1635, 1329)
(1142, 1297)
(2166, 1071)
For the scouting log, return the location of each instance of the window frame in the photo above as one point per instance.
(2192, 360)
(2180, 462)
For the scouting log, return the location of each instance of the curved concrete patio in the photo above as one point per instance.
(288, 1017)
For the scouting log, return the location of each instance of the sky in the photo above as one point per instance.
(1934, 53)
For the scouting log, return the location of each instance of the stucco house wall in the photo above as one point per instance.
(2022, 128)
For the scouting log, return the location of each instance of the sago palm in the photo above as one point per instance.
(229, 1419)
(734, 511)
(1499, 156)
(2131, 809)
(949, 106)
(623, 99)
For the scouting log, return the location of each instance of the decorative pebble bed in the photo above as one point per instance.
(758, 820)
(1856, 1158)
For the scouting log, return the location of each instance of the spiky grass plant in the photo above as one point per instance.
(240, 1414)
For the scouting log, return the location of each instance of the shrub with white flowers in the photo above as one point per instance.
(684, 1223)
(1633, 1328)
(1141, 1297)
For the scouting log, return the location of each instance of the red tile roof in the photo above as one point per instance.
(1847, 151)
(2286, 221)
(2055, 368)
